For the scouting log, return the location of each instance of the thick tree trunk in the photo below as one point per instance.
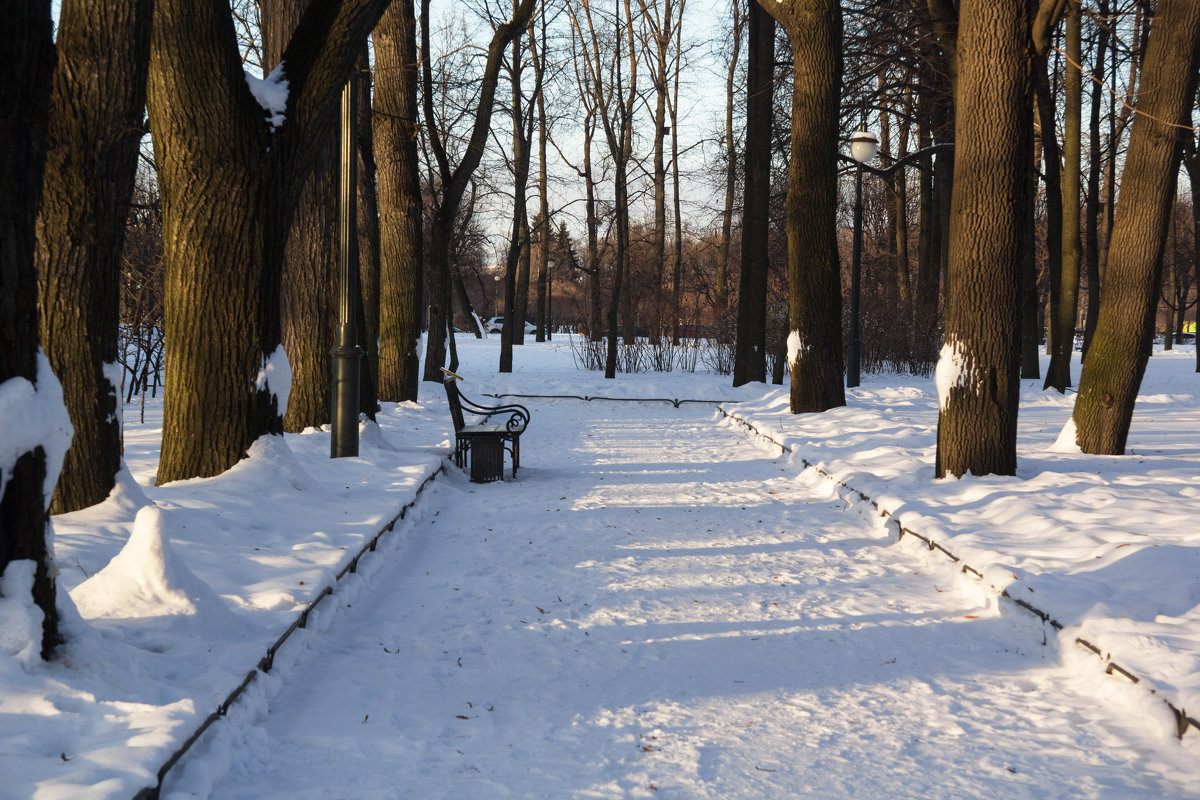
(310, 292)
(1117, 358)
(310, 270)
(978, 370)
(815, 299)
(229, 179)
(27, 56)
(96, 109)
(750, 349)
(401, 248)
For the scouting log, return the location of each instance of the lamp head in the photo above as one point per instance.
(863, 146)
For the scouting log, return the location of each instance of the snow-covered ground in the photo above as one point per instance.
(666, 604)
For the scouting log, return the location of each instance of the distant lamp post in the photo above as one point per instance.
(496, 296)
(549, 298)
(863, 147)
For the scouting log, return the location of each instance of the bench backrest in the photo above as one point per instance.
(518, 415)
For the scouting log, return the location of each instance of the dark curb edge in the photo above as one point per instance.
(1183, 721)
(268, 661)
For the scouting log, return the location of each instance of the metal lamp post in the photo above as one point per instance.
(549, 299)
(863, 147)
(347, 355)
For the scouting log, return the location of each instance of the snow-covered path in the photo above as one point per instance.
(624, 620)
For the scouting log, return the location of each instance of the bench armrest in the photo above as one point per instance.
(518, 418)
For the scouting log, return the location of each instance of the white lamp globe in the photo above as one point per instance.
(863, 146)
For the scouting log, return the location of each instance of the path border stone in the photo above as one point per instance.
(267, 662)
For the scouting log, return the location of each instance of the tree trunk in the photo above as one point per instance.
(310, 269)
(661, 34)
(95, 124)
(1031, 298)
(815, 298)
(677, 257)
(1065, 303)
(401, 251)
(544, 229)
(27, 56)
(229, 177)
(368, 245)
(1092, 223)
(1117, 359)
(730, 143)
(978, 370)
(750, 349)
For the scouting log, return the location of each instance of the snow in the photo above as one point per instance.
(795, 348)
(671, 600)
(271, 93)
(34, 416)
(953, 371)
(276, 377)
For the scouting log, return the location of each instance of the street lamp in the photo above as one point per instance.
(345, 398)
(863, 147)
(549, 298)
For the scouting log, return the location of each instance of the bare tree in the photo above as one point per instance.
(814, 28)
(750, 347)
(27, 54)
(979, 365)
(229, 173)
(1116, 360)
(395, 122)
(96, 122)
(453, 181)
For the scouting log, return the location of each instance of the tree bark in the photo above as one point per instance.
(750, 348)
(229, 179)
(1091, 248)
(367, 226)
(95, 125)
(401, 251)
(815, 298)
(978, 370)
(1119, 351)
(27, 56)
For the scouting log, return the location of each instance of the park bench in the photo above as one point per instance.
(484, 443)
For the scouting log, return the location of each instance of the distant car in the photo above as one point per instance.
(496, 325)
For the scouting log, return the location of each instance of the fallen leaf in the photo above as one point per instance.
(970, 616)
(461, 716)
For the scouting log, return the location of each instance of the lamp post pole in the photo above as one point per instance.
(549, 299)
(346, 355)
(863, 147)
